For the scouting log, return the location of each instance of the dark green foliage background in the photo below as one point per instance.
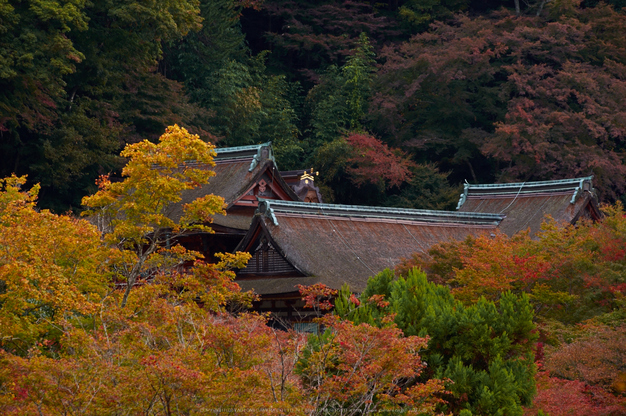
(485, 95)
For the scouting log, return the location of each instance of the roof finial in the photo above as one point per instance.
(463, 197)
(308, 176)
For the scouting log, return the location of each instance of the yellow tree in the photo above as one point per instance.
(165, 353)
(133, 213)
(51, 268)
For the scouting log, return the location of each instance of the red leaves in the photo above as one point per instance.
(354, 300)
(556, 101)
(559, 397)
(374, 162)
(103, 181)
(562, 124)
(363, 369)
(598, 358)
(379, 301)
(531, 267)
(317, 296)
(614, 249)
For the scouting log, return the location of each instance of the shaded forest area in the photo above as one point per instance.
(394, 103)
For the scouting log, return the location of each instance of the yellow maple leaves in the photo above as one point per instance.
(51, 267)
(137, 214)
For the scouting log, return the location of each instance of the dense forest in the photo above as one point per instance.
(395, 103)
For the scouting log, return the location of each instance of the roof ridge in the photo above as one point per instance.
(241, 148)
(270, 208)
(570, 181)
(574, 185)
(253, 152)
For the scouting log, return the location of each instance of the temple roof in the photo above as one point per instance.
(244, 152)
(307, 243)
(238, 171)
(526, 204)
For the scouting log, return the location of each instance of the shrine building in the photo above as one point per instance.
(526, 204)
(298, 243)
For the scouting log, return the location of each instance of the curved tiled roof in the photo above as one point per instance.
(388, 213)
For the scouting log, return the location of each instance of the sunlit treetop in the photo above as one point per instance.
(155, 178)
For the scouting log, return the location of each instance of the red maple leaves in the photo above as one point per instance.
(374, 162)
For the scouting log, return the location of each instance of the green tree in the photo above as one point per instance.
(251, 107)
(78, 80)
(427, 189)
(420, 13)
(486, 349)
(339, 103)
(197, 59)
(35, 55)
(246, 105)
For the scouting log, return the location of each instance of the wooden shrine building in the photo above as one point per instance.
(296, 243)
(526, 204)
(241, 175)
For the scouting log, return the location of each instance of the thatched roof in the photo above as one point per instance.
(238, 172)
(304, 243)
(526, 204)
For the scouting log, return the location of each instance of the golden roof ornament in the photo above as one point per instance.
(308, 176)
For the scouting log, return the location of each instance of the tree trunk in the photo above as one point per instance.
(129, 284)
(133, 274)
(472, 171)
(543, 3)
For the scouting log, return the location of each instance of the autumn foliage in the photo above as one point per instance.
(597, 358)
(52, 268)
(76, 341)
(360, 369)
(317, 297)
(373, 161)
(561, 397)
(80, 336)
(574, 277)
(570, 272)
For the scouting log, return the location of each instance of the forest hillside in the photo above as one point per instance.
(394, 103)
